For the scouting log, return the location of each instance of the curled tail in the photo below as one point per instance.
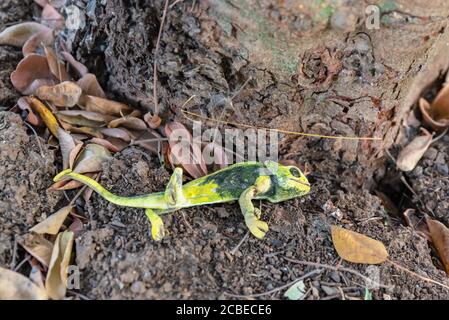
(121, 201)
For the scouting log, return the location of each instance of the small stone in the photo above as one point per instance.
(329, 290)
(442, 168)
(138, 287)
(335, 276)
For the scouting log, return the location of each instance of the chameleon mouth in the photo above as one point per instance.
(300, 182)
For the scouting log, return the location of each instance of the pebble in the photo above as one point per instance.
(442, 168)
(329, 290)
(335, 276)
(138, 287)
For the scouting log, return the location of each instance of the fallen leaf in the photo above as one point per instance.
(105, 106)
(119, 133)
(65, 185)
(56, 281)
(74, 154)
(417, 223)
(67, 144)
(39, 247)
(36, 275)
(440, 105)
(91, 87)
(89, 131)
(439, 234)
(78, 66)
(46, 115)
(358, 248)
(51, 17)
(151, 141)
(425, 108)
(30, 72)
(14, 286)
(77, 225)
(153, 121)
(183, 151)
(45, 38)
(128, 122)
(53, 223)
(18, 34)
(32, 118)
(82, 118)
(409, 157)
(65, 94)
(92, 158)
(296, 291)
(105, 143)
(57, 68)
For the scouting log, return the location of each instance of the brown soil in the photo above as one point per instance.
(364, 91)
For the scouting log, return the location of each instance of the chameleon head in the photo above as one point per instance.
(290, 182)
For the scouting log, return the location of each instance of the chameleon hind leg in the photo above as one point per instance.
(173, 192)
(157, 225)
(251, 214)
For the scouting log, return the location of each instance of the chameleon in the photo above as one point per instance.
(242, 182)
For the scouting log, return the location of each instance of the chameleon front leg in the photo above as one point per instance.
(173, 192)
(251, 214)
(157, 225)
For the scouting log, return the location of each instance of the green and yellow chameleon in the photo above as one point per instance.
(242, 181)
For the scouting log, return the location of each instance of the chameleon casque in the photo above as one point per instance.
(242, 181)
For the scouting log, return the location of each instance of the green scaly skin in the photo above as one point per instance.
(243, 182)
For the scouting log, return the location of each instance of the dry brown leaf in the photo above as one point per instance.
(39, 247)
(91, 158)
(65, 94)
(82, 118)
(438, 126)
(151, 141)
(440, 105)
(74, 154)
(118, 133)
(129, 122)
(56, 281)
(439, 234)
(105, 143)
(185, 153)
(77, 225)
(67, 144)
(91, 87)
(18, 34)
(35, 41)
(57, 68)
(53, 223)
(46, 115)
(79, 67)
(153, 121)
(31, 72)
(14, 286)
(65, 185)
(358, 248)
(51, 17)
(105, 106)
(34, 119)
(409, 157)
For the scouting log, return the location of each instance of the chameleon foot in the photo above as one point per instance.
(157, 225)
(257, 227)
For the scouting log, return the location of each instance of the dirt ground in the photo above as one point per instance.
(212, 58)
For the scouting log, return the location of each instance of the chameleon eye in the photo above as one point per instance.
(295, 172)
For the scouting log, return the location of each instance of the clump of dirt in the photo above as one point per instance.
(26, 170)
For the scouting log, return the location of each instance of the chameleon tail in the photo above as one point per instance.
(121, 201)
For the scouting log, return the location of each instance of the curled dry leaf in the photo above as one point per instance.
(91, 87)
(78, 66)
(46, 115)
(82, 118)
(151, 141)
(67, 144)
(183, 151)
(105, 106)
(18, 34)
(53, 223)
(31, 72)
(409, 157)
(35, 41)
(439, 234)
(92, 158)
(437, 125)
(118, 133)
(105, 143)
(129, 122)
(39, 247)
(417, 223)
(65, 94)
(56, 281)
(440, 105)
(32, 118)
(51, 17)
(153, 121)
(14, 286)
(57, 68)
(65, 185)
(358, 248)
(74, 154)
